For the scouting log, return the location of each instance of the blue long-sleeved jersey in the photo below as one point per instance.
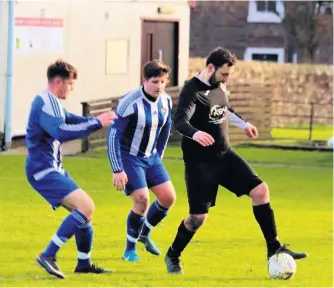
(142, 128)
(49, 125)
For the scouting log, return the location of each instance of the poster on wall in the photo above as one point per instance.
(117, 56)
(38, 35)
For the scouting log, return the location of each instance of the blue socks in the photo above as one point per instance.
(75, 223)
(64, 232)
(154, 215)
(134, 226)
(84, 239)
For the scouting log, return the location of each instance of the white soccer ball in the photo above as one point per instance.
(330, 142)
(282, 266)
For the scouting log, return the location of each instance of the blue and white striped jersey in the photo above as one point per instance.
(142, 128)
(49, 125)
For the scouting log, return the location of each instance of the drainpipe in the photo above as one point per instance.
(9, 75)
(2, 67)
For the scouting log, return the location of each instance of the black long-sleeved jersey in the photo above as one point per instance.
(205, 108)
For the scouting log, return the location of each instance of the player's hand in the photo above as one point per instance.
(107, 117)
(119, 180)
(251, 131)
(203, 138)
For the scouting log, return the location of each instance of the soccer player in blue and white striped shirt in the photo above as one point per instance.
(49, 126)
(136, 144)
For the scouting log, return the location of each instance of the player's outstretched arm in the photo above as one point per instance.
(56, 126)
(75, 119)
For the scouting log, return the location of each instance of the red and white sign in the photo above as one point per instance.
(40, 22)
(38, 35)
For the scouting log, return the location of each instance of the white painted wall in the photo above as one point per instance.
(85, 33)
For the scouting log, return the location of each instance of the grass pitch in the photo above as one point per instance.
(229, 249)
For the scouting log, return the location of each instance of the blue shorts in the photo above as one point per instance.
(54, 187)
(143, 172)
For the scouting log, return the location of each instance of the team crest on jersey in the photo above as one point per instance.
(217, 114)
(164, 110)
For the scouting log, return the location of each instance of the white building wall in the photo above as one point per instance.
(86, 30)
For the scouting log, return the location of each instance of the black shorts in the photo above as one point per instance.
(203, 179)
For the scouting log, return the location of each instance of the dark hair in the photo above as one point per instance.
(155, 68)
(61, 69)
(220, 56)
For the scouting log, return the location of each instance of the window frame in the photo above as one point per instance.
(255, 16)
(264, 50)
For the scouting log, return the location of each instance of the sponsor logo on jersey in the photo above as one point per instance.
(217, 114)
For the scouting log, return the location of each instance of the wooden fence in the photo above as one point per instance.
(251, 100)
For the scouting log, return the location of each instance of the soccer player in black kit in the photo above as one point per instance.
(202, 117)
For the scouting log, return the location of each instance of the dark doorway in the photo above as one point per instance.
(160, 40)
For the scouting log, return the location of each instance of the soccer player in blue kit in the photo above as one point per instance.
(136, 143)
(50, 125)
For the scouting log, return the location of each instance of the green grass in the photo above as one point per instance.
(319, 132)
(256, 155)
(228, 251)
(287, 142)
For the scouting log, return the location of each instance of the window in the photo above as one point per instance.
(265, 57)
(265, 11)
(264, 54)
(266, 6)
(324, 8)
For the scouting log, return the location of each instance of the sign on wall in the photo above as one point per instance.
(38, 35)
(117, 53)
